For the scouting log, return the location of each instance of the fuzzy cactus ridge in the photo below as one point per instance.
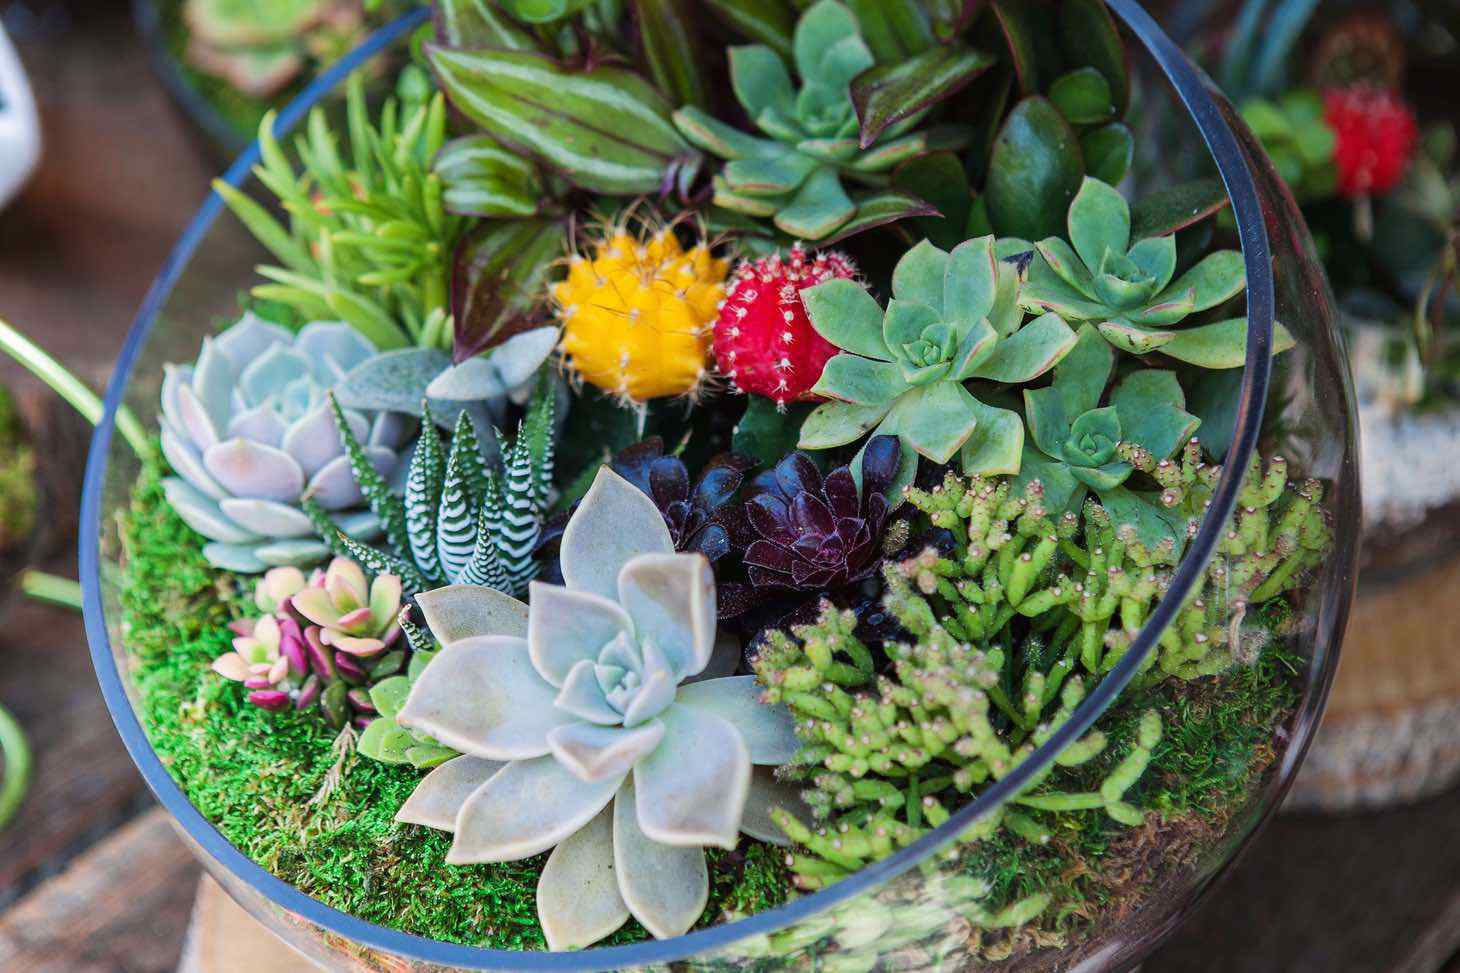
(764, 342)
(637, 311)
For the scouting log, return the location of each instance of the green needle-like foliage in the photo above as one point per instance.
(368, 238)
(459, 522)
(888, 757)
(996, 630)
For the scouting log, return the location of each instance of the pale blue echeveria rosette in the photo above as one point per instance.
(591, 724)
(249, 430)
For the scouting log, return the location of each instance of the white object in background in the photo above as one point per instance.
(20, 131)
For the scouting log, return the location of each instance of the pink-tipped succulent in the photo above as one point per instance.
(322, 641)
(268, 657)
(353, 616)
(764, 342)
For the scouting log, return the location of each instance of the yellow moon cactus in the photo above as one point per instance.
(638, 312)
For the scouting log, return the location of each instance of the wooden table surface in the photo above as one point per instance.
(90, 881)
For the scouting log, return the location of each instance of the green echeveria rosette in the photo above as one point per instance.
(598, 722)
(1076, 438)
(795, 175)
(1126, 288)
(954, 318)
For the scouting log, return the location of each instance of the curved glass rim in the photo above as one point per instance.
(1252, 230)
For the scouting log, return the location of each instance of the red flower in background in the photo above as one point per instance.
(764, 342)
(1375, 136)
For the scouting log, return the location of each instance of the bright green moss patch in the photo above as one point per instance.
(287, 794)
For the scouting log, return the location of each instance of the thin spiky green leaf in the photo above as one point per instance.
(386, 506)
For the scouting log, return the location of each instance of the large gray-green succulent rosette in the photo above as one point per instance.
(249, 430)
(592, 724)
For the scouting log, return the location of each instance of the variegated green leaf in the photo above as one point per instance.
(604, 129)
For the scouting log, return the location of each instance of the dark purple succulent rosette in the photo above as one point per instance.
(804, 532)
(691, 509)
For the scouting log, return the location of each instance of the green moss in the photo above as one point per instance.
(277, 786)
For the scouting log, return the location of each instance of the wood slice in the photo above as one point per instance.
(120, 906)
(1391, 733)
(223, 938)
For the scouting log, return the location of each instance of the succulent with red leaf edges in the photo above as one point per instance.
(1375, 138)
(764, 342)
(809, 532)
(691, 509)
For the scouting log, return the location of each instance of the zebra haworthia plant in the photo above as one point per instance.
(592, 723)
(461, 522)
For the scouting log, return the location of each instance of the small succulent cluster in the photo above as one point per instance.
(954, 317)
(958, 483)
(1076, 440)
(884, 754)
(320, 643)
(460, 522)
(813, 138)
(764, 342)
(596, 723)
(1099, 275)
(637, 313)
(249, 433)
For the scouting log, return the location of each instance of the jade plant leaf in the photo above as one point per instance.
(940, 179)
(1109, 151)
(1034, 172)
(1083, 96)
(1088, 36)
(767, 432)
(543, 11)
(604, 129)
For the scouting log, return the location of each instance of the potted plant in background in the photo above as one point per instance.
(652, 509)
(226, 63)
(1341, 98)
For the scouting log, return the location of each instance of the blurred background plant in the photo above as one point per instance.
(228, 62)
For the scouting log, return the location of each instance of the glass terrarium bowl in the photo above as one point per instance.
(903, 912)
